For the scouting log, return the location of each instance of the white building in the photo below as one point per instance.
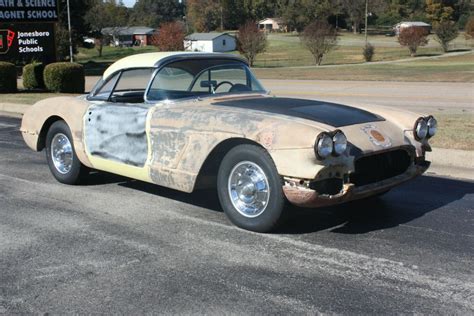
(210, 42)
(272, 25)
(404, 25)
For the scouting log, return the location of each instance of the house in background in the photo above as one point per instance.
(403, 25)
(210, 42)
(129, 35)
(272, 25)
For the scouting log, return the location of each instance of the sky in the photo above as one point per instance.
(129, 3)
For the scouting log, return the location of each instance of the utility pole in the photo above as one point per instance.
(366, 15)
(71, 55)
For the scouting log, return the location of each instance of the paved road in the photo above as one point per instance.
(414, 96)
(121, 246)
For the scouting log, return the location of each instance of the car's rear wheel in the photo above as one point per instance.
(250, 189)
(61, 157)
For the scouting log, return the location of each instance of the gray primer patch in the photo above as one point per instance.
(117, 132)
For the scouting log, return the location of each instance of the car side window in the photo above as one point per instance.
(201, 77)
(222, 79)
(131, 86)
(104, 92)
(174, 79)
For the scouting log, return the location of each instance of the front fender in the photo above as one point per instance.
(39, 116)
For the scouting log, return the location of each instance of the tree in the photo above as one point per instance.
(61, 39)
(355, 9)
(319, 37)
(299, 13)
(233, 14)
(78, 10)
(105, 14)
(445, 32)
(154, 12)
(170, 37)
(469, 28)
(413, 37)
(437, 11)
(203, 15)
(250, 41)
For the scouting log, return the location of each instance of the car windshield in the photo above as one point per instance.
(202, 77)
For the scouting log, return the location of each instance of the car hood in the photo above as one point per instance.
(332, 114)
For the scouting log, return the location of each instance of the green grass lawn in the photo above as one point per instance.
(455, 131)
(452, 69)
(286, 50)
(27, 97)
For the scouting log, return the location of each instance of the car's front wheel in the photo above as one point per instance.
(250, 189)
(61, 157)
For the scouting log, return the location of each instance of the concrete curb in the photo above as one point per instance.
(444, 162)
(15, 108)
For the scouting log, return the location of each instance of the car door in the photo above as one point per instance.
(115, 123)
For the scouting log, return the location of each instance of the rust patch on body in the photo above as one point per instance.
(266, 139)
(306, 197)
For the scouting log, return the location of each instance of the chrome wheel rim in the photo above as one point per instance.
(61, 153)
(248, 189)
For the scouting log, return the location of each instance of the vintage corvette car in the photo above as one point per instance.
(191, 120)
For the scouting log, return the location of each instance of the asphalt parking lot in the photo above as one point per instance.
(121, 246)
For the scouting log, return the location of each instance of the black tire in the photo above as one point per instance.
(77, 171)
(273, 214)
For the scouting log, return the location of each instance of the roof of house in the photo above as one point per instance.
(128, 30)
(150, 60)
(204, 36)
(415, 23)
(276, 20)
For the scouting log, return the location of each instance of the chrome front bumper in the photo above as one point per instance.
(303, 196)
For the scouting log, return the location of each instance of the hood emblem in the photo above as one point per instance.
(376, 137)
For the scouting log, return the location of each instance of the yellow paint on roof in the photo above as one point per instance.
(143, 61)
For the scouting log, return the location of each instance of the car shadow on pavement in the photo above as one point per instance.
(399, 206)
(100, 178)
(206, 198)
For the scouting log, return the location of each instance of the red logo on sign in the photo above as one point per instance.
(6, 40)
(10, 37)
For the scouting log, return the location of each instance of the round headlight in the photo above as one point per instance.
(324, 145)
(340, 143)
(421, 129)
(432, 126)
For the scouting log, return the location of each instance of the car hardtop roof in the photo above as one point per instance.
(151, 60)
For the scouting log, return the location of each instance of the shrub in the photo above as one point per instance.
(64, 77)
(7, 77)
(413, 37)
(445, 31)
(33, 76)
(319, 38)
(368, 52)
